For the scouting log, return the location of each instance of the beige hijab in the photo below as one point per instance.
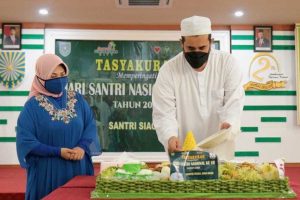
(45, 66)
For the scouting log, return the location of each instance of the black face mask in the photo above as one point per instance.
(196, 58)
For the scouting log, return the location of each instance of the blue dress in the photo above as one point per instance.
(64, 122)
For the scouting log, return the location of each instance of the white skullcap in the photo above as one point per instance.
(195, 25)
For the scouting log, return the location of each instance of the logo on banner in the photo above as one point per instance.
(156, 49)
(64, 48)
(105, 51)
(265, 73)
(12, 68)
(167, 49)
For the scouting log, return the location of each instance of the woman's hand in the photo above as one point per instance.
(78, 153)
(66, 153)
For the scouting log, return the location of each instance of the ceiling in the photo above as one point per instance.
(107, 12)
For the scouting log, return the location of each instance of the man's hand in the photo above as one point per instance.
(225, 125)
(78, 153)
(66, 153)
(173, 144)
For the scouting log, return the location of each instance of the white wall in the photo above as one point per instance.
(33, 49)
(288, 131)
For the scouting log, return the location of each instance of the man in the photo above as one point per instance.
(200, 89)
(261, 41)
(12, 39)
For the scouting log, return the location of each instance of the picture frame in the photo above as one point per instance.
(11, 36)
(263, 39)
(216, 44)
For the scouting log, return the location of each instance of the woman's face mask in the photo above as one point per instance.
(55, 85)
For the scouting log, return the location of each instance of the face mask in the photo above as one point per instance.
(56, 85)
(196, 58)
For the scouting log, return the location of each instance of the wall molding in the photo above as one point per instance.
(30, 25)
(125, 26)
(276, 27)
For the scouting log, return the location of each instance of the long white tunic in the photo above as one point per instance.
(186, 100)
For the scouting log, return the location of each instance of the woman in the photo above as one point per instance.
(56, 131)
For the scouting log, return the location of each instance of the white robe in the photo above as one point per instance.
(186, 100)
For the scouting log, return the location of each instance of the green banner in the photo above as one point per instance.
(116, 78)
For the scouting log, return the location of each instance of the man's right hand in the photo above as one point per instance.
(66, 153)
(174, 145)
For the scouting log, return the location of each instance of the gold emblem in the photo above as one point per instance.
(265, 73)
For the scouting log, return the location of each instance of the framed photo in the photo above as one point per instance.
(11, 36)
(263, 38)
(216, 44)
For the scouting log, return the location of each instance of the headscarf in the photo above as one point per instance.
(45, 66)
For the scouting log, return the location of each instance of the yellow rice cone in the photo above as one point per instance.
(189, 142)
